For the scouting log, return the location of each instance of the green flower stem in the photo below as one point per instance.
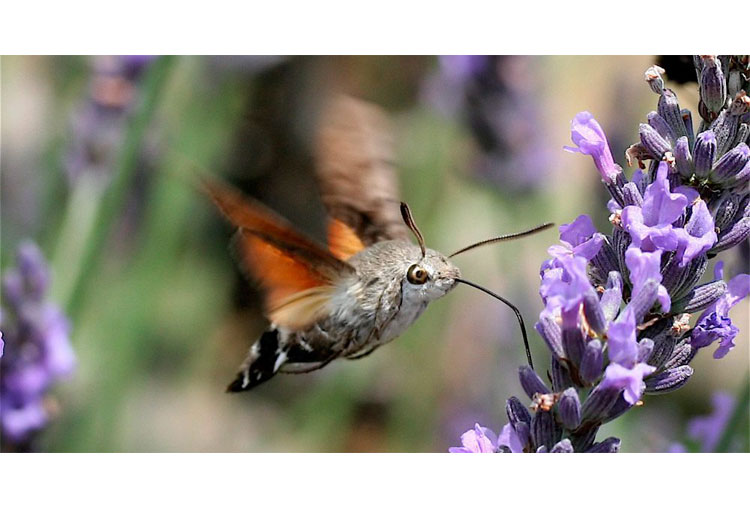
(93, 207)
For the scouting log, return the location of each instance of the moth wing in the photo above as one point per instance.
(343, 242)
(356, 175)
(298, 276)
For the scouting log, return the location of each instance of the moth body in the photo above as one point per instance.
(370, 307)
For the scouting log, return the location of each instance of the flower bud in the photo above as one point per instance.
(654, 143)
(742, 178)
(550, 331)
(620, 407)
(530, 382)
(704, 153)
(611, 444)
(645, 348)
(669, 109)
(605, 261)
(663, 348)
(631, 195)
(683, 158)
(593, 313)
(612, 296)
(713, 86)
(560, 376)
(661, 126)
(563, 445)
(687, 120)
(730, 164)
(520, 418)
(599, 402)
(725, 209)
(700, 297)
(668, 380)
(516, 411)
(732, 236)
(592, 362)
(574, 344)
(653, 76)
(644, 299)
(544, 431)
(569, 409)
(682, 355)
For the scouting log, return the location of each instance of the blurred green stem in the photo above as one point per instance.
(738, 416)
(93, 207)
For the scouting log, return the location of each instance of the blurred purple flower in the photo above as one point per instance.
(38, 351)
(589, 139)
(708, 429)
(98, 124)
(483, 92)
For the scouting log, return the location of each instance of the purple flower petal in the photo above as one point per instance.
(644, 267)
(477, 440)
(628, 379)
(698, 236)
(623, 347)
(589, 138)
(650, 226)
(509, 438)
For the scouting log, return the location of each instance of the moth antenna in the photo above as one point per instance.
(505, 237)
(515, 310)
(409, 221)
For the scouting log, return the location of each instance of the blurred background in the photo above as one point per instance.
(97, 160)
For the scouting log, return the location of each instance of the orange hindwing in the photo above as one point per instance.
(298, 276)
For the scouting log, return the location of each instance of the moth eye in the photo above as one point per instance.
(416, 274)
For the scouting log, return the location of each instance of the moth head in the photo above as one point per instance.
(429, 274)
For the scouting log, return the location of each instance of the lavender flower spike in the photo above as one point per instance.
(589, 138)
(617, 307)
(38, 352)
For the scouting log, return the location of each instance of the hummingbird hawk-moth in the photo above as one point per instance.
(370, 283)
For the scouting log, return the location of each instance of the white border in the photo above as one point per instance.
(382, 480)
(385, 26)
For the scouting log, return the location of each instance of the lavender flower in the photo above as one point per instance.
(484, 91)
(38, 352)
(589, 138)
(617, 307)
